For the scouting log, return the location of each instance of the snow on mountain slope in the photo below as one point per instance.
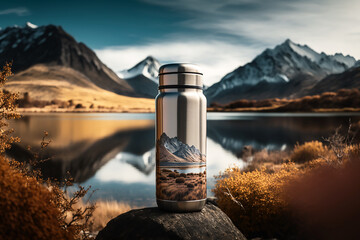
(333, 63)
(304, 51)
(348, 60)
(149, 67)
(279, 65)
(30, 25)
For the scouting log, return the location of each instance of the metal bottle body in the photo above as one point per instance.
(181, 148)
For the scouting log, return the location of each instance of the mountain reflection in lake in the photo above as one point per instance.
(114, 153)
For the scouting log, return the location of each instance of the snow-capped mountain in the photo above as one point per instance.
(284, 67)
(143, 77)
(182, 151)
(51, 46)
(149, 67)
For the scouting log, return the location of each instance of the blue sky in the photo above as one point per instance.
(217, 35)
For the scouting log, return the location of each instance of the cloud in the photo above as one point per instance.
(227, 34)
(216, 58)
(325, 25)
(20, 11)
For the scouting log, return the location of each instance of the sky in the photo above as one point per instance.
(217, 35)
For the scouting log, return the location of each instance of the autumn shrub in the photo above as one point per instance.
(295, 199)
(27, 207)
(308, 151)
(253, 200)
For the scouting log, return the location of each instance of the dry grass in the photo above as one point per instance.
(104, 212)
(43, 84)
(253, 200)
(309, 151)
(272, 196)
(342, 100)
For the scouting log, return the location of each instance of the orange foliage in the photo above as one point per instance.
(253, 200)
(308, 151)
(27, 207)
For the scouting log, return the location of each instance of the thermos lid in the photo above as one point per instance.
(179, 68)
(180, 75)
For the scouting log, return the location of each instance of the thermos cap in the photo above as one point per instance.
(179, 68)
(180, 75)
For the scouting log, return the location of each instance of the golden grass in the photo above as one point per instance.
(267, 198)
(253, 200)
(104, 212)
(64, 84)
(344, 100)
(309, 151)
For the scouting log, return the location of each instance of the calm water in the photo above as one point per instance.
(114, 153)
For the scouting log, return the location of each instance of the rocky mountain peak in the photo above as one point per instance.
(149, 67)
(51, 45)
(285, 63)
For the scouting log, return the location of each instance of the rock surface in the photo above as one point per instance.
(152, 223)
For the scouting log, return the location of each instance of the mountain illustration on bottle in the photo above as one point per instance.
(173, 150)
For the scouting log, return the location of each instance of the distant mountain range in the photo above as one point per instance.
(173, 150)
(50, 45)
(47, 62)
(289, 70)
(50, 64)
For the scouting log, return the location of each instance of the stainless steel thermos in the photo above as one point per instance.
(180, 139)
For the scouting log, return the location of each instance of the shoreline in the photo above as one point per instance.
(275, 110)
(149, 110)
(63, 110)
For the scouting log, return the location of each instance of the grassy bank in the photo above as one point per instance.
(345, 100)
(310, 192)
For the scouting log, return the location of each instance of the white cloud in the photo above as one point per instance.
(216, 58)
(331, 27)
(20, 11)
(325, 25)
(250, 26)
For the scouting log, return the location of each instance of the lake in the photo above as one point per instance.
(115, 154)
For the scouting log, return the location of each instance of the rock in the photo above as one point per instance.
(152, 223)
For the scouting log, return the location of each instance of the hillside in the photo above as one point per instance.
(49, 83)
(286, 71)
(51, 45)
(49, 64)
(334, 82)
(344, 100)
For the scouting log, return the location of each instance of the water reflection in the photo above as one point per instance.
(115, 152)
(273, 132)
